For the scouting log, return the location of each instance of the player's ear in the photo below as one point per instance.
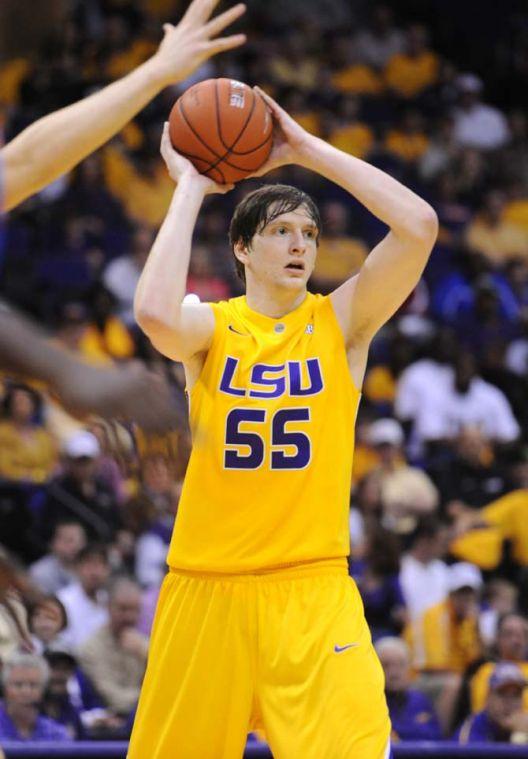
(241, 252)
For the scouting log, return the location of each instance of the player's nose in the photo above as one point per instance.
(298, 243)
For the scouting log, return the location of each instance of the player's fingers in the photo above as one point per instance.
(275, 107)
(219, 23)
(168, 28)
(225, 43)
(199, 11)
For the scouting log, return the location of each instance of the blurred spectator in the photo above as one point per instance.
(441, 152)
(122, 274)
(503, 719)
(56, 570)
(46, 621)
(408, 141)
(511, 646)
(153, 511)
(350, 74)
(27, 450)
(106, 337)
(292, 65)
(202, 278)
(85, 601)
(424, 576)
(466, 400)
(379, 386)
(411, 713)
(494, 237)
(481, 533)
(78, 493)
(24, 679)
(57, 703)
(469, 471)
(365, 514)
(421, 382)
(477, 125)
(344, 129)
(380, 40)
(447, 637)
(376, 575)
(114, 657)
(409, 73)
(339, 255)
(501, 598)
(406, 491)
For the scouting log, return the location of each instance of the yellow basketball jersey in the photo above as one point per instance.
(272, 418)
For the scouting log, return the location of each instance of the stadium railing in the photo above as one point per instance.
(117, 750)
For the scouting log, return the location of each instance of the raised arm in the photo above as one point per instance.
(57, 142)
(391, 271)
(179, 331)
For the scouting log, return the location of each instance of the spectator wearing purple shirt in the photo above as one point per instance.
(24, 679)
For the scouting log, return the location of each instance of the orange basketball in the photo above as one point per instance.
(223, 127)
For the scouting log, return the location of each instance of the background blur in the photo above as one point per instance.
(432, 92)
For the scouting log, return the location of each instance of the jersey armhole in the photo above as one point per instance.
(220, 321)
(327, 303)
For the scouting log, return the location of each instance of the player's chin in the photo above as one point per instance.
(295, 279)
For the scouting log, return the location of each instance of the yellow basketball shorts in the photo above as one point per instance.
(288, 651)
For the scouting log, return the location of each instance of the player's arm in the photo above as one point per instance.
(55, 143)
(178, 330)
(131, 392)
(391, 271)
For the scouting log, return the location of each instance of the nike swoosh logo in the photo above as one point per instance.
(244, 334)
(340, 649)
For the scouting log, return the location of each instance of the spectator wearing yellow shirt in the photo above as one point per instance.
(480, 534)
(345, 131)
(27, 450)
(339, 255)
(412, 72)
(293, 66)
(408, 141)
(350, 75)
(297, 105)
(106, 337)
(448, 638)
(511, 646)
(494, 237)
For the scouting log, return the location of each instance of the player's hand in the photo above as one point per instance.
(181, 168)
(131, 393)
(195, 39)
(290, 140)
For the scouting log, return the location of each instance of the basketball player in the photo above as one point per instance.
(52, 146)
(258, 622)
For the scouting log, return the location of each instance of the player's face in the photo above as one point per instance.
(283, 253)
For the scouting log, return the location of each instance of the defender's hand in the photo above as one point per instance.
(181, 168)
(290, 140)
(194, 40)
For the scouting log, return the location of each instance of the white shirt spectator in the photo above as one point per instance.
(121, 277)
(50, 575)
(483, 406)
(423, 585)
(481, 126)
(85, 615)
(151, 556)
(517, 357)
(418, 386)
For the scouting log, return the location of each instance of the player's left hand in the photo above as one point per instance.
(290, 140)
(195, 39)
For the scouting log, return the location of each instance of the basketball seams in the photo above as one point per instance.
(213, 165)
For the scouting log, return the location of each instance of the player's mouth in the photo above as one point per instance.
(295, 266)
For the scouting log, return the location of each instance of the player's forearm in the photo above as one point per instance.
(55, 143)
(25, 351)
(163, 282)
(402, 210)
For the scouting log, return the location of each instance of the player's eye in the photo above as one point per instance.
(310, 234)
(281, 230)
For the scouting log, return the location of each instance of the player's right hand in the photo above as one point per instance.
(180, 168)
(194, 40)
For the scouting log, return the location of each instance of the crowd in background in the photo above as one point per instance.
(439, 502)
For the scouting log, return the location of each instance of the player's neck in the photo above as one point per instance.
(274, 304)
